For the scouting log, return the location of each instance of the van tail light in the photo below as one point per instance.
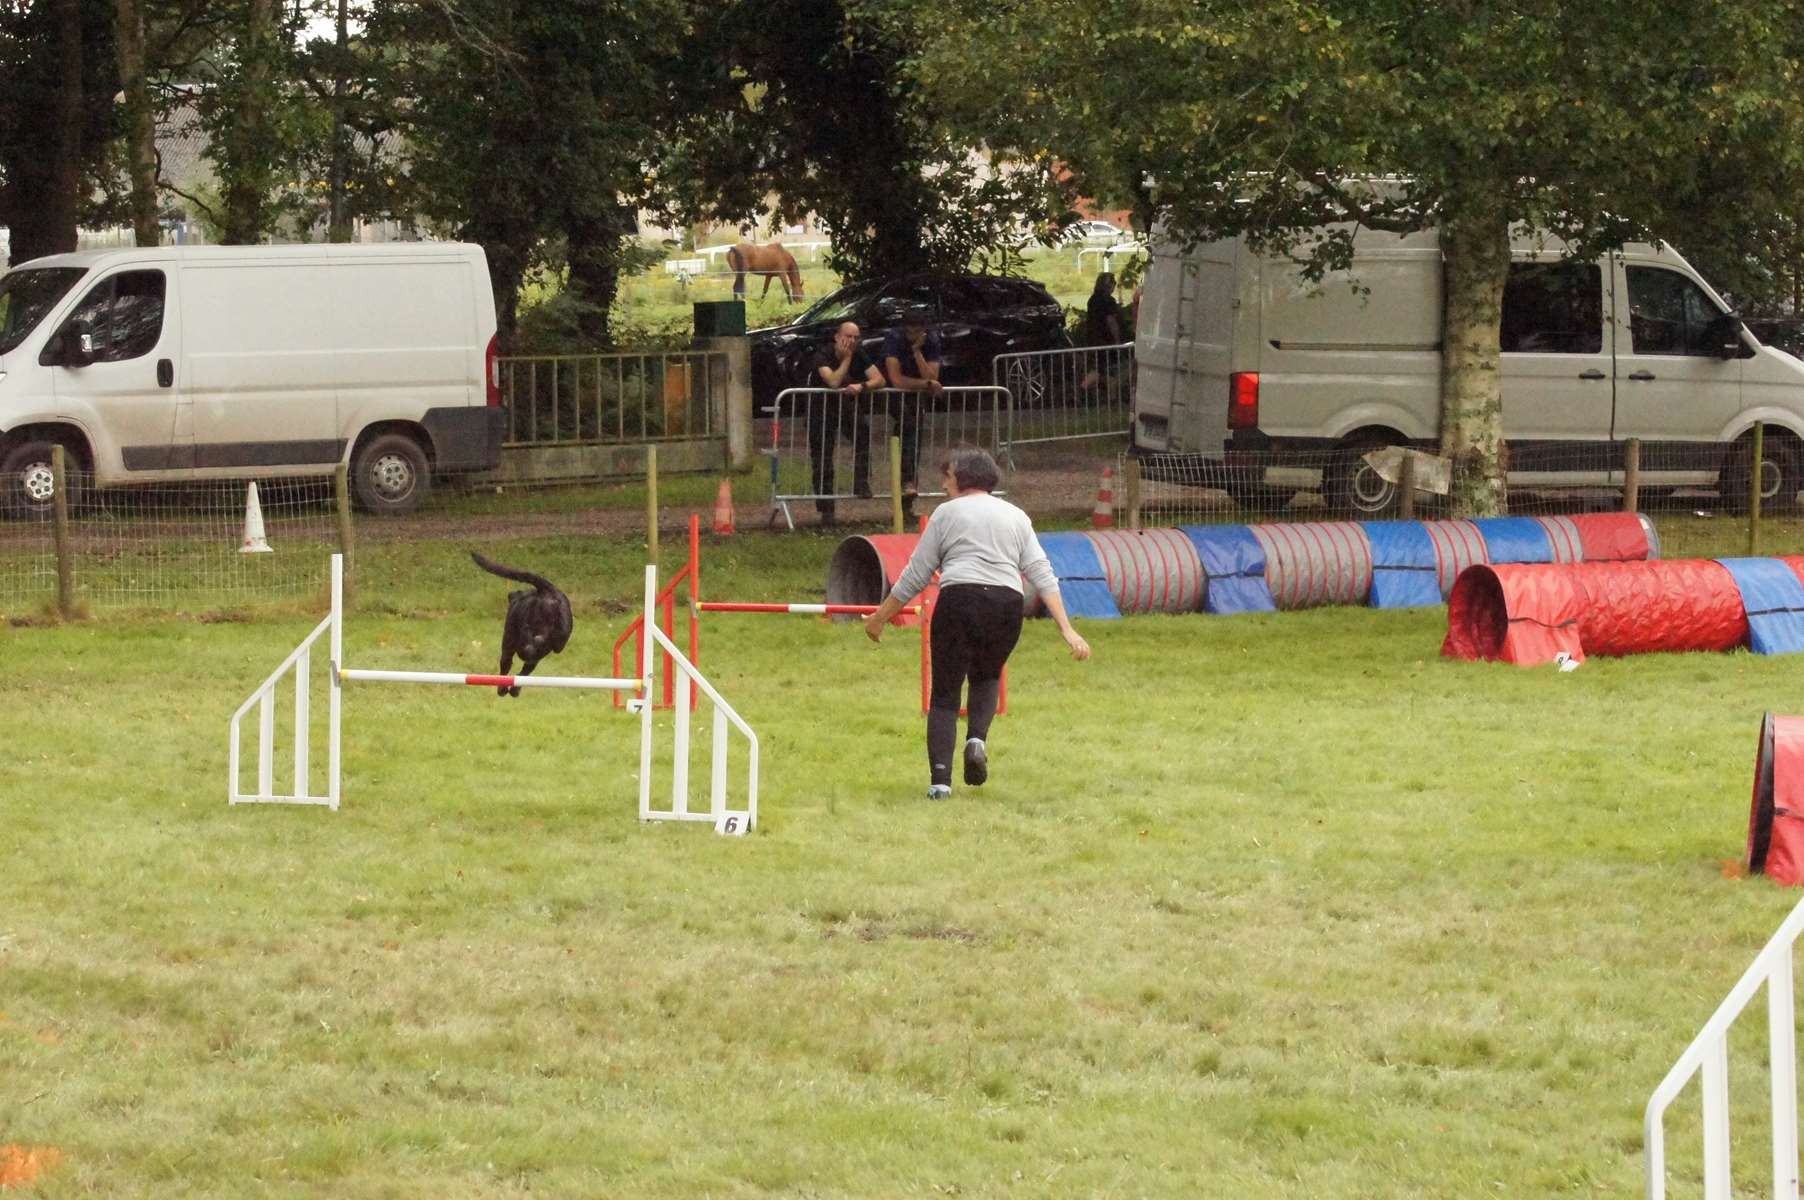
(1243, 400)
(491, 370)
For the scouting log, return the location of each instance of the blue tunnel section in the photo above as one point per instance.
(1385, 564)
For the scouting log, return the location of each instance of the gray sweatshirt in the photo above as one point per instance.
(977, 538)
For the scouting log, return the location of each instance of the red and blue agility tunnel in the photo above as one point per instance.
(1776, 818)
(1531, 613)
(1264, 568)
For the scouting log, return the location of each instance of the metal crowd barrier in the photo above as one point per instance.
(828, 446)
(1059, 395)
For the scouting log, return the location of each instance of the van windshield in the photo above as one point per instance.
(25, 296)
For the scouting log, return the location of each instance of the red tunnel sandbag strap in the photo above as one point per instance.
(1523, 613)
(1667, 605)
(1784, 858)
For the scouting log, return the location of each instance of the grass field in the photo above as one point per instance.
(1275, 905)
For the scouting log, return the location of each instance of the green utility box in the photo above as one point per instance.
(719, 318)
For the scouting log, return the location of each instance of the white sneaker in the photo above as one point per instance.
(939, 791)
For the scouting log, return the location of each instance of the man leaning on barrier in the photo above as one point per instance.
(847, 370)
(911, 364)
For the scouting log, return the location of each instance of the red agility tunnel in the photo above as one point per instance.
(1776, 819)
(1527, 613)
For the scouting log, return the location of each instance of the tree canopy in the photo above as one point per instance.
(1591, 122)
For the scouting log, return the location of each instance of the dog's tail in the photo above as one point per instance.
(495, 568)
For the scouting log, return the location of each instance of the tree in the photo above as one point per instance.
(1590, 122)
(59, 76)
(139, 120)
(536, 119)
(806, 100)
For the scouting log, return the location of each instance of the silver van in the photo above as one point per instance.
(1247, 366)
(228, 362)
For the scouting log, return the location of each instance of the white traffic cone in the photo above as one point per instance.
(253, 541)
(1103, 515)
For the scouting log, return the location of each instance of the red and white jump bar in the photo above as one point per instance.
(556, 681)
(830, 610)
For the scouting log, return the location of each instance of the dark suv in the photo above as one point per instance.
(977, 316)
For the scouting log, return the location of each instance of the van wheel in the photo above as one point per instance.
(1351, 486)
(30, 487)
(1780, 479)
(390, 475)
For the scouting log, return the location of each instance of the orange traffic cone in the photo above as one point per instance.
(1103, 515)
(723, 508)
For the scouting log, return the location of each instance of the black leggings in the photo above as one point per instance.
(975, 627)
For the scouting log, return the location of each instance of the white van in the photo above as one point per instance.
(229, 362)
(1244, 364)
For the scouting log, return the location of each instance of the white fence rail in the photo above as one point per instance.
(1708, 1057)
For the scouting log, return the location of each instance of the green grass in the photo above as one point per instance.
(1276, 905)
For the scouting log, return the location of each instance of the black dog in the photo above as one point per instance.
(538, 622)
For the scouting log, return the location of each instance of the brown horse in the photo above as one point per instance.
(772, 262)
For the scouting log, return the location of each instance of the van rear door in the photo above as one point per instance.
(129, 384)
(1183, 343)
(1559, 385)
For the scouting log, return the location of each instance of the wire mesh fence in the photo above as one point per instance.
(169, 549)
(1386, 482)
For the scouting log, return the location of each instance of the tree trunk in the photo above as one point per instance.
(140, 122)
(246, 186)
(508, 250)
(338, 221)
(58, 220)
(594, 251)
(1475, 245)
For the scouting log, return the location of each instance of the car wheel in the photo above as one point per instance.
(1780, 480)
(30, 485)
(390, 475)
(1352, 487)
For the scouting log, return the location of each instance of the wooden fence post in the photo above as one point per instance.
(1631, 476)
(1755, 478)
(65, 563)
(1133, 493)
(1406, 485)
(895, 484)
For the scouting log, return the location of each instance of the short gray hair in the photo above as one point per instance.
(974, 469)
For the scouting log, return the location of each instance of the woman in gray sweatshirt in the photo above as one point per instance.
(981, 546)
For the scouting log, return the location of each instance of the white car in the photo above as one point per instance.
(1093, 231)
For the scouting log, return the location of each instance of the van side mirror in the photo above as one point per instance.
(70, 346)
(1724, 333)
